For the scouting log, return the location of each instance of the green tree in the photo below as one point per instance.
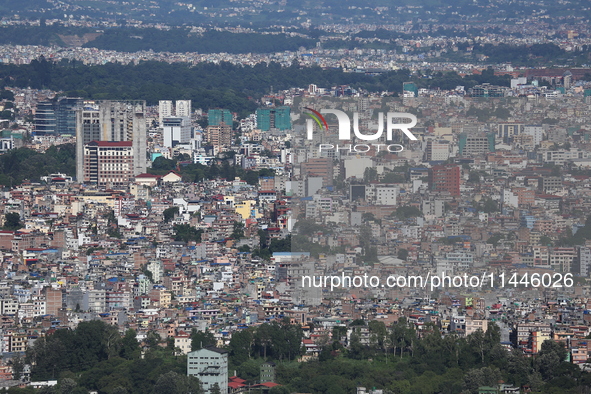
(407, 211)
(238, 230)
(487, 205)
(176, 383)
(251, 177)
(370, 174)
(215, 389)
(91, 343)
(201, 339)
(378, 335)
(240, 346)
(186, 233)
(12, 221)
(170, 213)
(474, 177)
(549, 359)
(485, 376)
(130, 348)
(546, 241)
(393, 177)
(18, 366)
(402, 254)
(495, 239)
(152, 340)
(66, 386)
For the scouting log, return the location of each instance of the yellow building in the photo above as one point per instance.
(247, 209)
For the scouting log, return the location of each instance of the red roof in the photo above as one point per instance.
(235, 385)
(147, 176)
(267, 384)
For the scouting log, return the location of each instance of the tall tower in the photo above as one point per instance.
(445, 178)
(111, 121)
(219, 136)
(217, 116)
(274, 118)
(176, 130)
(45, 118)
(183, 108)
(164, 109)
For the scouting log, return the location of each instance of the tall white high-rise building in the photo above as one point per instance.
(210, 366)
(536, 131)
(164, 109)
(183, 108)
(176, 130)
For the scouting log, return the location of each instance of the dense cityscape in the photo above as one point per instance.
(229, 216)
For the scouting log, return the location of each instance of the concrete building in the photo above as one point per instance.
(274, 118)
(507, 130)
(94, 301)
(582, 263)
(108, 163)
(111, 121)
(267, 372)
(176, 130)
(217, 116)
(45, 122)
(321, 167)
(548, 184)
(445, 178)
(219, 136)
(57, 116)
(437, 150)
(164, 109)
(53, 300)
(536, 131)
(210, 366)
(182, 108)
(386, 195)
(471, 145)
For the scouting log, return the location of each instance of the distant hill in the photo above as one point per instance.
(247, 13)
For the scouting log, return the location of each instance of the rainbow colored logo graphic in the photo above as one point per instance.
(317, 116)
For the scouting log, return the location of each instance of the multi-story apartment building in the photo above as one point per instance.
(108, 163)
(107, 122)
(210, 366)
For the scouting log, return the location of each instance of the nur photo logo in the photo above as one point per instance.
(390, 124)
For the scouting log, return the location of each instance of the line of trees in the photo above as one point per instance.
(398, 359)
(210, 85)
(95, 356)
(402, 360)
(195, 172)
(24, 163)
(181, 40)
